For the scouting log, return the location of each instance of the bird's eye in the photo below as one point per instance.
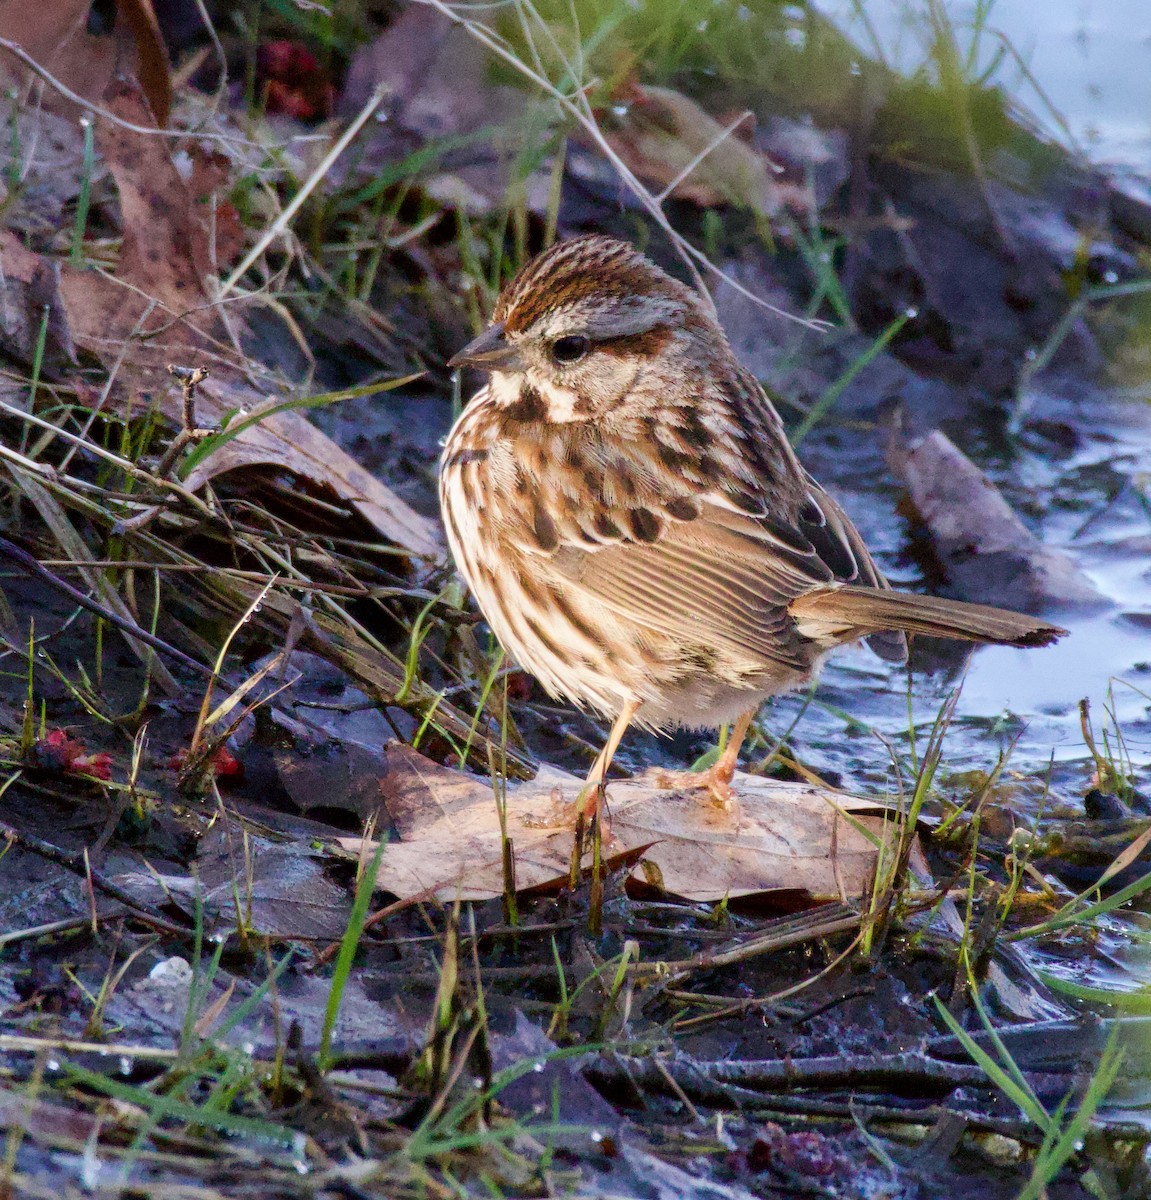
(570, 349)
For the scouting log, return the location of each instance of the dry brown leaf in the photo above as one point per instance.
(159, 302)
(30, 287)
(56, 36)
(991, 556)
(669, 141)
(780, 836)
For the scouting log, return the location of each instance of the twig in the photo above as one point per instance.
(709, 1081)
(190, 378)
(19, 1043)
(18, 51)
(790, 931)
(28, 563)
(78, 864)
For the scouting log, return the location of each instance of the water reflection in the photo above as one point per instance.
(1091, 58)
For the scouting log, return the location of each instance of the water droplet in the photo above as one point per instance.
(1031, 354)
(796, 38)
(126, 1064)
(537, 1066)
(478, 1084)
(619, 110)
(911, 312)
(53, 1064)
(856, 69)
(596, 1136)
(1110, 276)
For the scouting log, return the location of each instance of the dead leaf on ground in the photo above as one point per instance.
(617, 1155)
(275, 889)
(989, 554)
(669, 141)
(781, 836)
(45, 153)
(57, 37)
(31, 301)
(157, 309)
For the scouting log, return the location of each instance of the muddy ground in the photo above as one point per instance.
(215, 685)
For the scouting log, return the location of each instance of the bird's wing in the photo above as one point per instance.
(721, 579)
(708, 532)
(715, 581)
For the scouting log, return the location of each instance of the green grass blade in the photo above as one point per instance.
(348, 946)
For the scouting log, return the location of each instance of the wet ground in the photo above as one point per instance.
(220, 918)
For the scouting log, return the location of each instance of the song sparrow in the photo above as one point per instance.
(623, 502)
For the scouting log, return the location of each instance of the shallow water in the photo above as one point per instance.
(1091, 58)
(1093, 504)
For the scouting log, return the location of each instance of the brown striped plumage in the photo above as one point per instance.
(623, 502)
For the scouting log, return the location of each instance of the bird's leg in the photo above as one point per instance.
(716, 780)
(591, 809)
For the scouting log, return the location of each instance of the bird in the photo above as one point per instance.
(621, 499)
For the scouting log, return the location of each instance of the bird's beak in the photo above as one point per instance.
(489, 352)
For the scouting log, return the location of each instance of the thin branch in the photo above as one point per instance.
(34, 567)
(310, 184)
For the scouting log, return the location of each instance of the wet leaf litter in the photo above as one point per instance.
(778, 836)
(261, 898)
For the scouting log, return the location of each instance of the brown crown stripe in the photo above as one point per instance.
(574, 270)
(527, 307)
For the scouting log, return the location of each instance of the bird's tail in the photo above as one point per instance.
(847, 612)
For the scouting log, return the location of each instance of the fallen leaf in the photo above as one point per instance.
(45, 151)
(779, 836)
(554, 1091)
(157, 309)
(57, 37)
(277, 889)
(666, 139)
(989, 554)
(615, 1156)
(32, 300)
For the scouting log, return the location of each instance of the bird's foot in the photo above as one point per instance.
(716, 782)
(590, 806)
